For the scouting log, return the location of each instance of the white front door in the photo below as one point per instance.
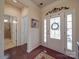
(55, 32)
(59, 32)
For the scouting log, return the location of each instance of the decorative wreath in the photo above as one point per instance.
(57, 26)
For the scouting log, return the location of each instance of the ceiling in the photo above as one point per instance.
(18, 4)
(43, 2)
(39, 3)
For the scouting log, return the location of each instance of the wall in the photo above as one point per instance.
(12, 10)
(24, 25)
(1, 30)
(34, 12)
(34, 39)
(24, 11)
(77, 26)
(73, 6)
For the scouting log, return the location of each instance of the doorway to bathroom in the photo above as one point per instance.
(10, 31)
(14, 13)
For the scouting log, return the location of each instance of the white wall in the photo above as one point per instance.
(24, 30)
(73, 6)
(34, 12)
(1, 30)
(24, 25)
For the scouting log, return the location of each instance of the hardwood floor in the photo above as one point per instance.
(17, 52)
(20, 53)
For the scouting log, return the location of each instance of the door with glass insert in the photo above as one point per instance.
(55, 32)
(59, 30)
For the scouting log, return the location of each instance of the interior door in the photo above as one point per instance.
(55, 32)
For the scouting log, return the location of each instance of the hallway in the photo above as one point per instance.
(39, 29)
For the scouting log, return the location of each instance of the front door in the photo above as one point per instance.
(59, 32)
(55, 32)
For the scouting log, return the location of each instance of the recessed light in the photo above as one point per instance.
(14, 22)
(5, 20)
(15, 1)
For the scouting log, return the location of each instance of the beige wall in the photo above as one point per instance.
(77, 24)
(1, 30)
(24, 11)
(11, 10)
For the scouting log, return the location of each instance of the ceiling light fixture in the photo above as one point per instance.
(15, 22)
(15, 1)
(5, 20)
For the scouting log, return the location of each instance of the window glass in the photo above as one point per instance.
(69, 45)
(55, 28)
(69, 24)
(45, 30)
(69, 32)
(69, 17)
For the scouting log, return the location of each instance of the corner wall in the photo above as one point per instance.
(33, 33)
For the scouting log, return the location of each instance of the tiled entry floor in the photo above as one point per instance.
(8, 43)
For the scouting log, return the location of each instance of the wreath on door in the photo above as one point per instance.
(55, 26)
